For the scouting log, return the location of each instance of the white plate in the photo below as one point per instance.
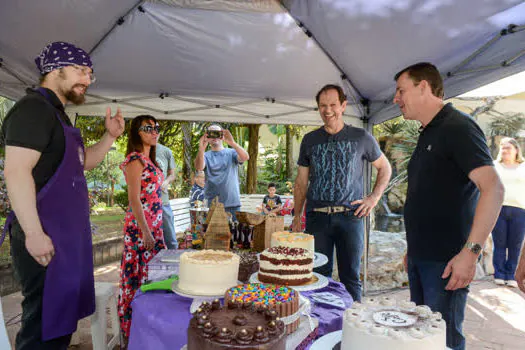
(319, 259)
(327, 341)
(321, 282)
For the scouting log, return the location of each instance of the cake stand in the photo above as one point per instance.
(330, 341)
(318, 281)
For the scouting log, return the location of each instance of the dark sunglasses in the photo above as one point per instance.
(149, 129)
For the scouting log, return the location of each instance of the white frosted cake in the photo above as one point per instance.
(293, 240)
(383, 324)
(208, 272)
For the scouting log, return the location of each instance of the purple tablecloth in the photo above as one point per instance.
(160, 319)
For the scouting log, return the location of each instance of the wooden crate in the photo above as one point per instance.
(262, 233)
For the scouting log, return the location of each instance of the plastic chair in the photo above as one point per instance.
(105, 297)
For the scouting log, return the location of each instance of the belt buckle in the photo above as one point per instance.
(330, 210)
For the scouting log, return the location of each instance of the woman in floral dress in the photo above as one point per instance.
(143, 237)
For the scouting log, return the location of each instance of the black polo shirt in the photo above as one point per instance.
(441, 199)
(32, 123)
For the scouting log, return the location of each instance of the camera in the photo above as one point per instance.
(214, 134)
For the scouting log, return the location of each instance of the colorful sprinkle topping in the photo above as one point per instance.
(261, 294)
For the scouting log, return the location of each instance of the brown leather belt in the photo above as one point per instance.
(332, 210)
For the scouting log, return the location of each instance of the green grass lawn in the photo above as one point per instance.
(108, 226)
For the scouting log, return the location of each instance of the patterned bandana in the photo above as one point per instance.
(59, 55)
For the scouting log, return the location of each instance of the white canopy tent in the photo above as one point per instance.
(261, 61)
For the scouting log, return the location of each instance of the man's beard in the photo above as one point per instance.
(75, 98)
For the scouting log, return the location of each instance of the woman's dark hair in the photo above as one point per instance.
(134, 140)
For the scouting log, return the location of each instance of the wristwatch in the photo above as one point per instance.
(475, 248)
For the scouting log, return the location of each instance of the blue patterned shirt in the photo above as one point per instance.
(336, 165)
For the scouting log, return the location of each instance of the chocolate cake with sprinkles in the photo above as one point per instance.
(235, 326)
(275, 300)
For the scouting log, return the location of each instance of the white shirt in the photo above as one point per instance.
(514, 182)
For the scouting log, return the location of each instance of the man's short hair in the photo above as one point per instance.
(328, 87)
(271, 184)
(425, 71)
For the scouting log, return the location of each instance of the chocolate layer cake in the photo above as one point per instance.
(238, 326)
(288, 266)
(284, 301)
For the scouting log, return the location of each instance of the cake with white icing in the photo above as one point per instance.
(293, 240)
(208, 272)
(384, 324)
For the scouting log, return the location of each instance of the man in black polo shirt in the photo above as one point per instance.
(453, 199)
(330, 177)
(50, 231)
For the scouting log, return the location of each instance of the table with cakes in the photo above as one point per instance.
(268, 299)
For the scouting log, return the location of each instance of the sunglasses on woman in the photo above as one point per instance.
(150, 129)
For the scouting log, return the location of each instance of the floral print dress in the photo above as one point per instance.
(133, 269)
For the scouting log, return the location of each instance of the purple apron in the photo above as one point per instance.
(63, 209)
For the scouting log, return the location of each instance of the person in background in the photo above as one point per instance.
(166, 163)
(143, 237)
(197, 190)
(272, 203)
(509, 230)
(221, 167)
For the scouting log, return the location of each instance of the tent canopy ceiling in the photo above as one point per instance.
(260, 61)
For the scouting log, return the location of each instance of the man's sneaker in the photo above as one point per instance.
(512, 284)
(499, 281)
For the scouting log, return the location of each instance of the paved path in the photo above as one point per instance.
(495, 317)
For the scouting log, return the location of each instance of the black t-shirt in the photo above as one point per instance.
(441, 199)
(272, 202)
(33, 123)
(336, 165)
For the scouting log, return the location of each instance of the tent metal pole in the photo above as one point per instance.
(474, 54)
(367, 177)
(119, 22)
(511, 61)
(510, 29)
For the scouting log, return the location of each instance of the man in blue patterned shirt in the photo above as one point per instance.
(330, 179)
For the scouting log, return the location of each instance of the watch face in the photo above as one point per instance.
(475, 248)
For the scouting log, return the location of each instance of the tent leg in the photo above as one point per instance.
(367, 179)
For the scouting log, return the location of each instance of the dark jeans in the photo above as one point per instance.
(428, 288)
(31, 276)
(232, 210)
(346, 232)
(508, 236)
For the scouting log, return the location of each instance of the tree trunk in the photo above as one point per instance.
(112, 195)
(289, 152)
(253, 150)
(186, 153)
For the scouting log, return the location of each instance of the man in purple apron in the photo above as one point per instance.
(50, 230)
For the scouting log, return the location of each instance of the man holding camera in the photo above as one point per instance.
(221, 167)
